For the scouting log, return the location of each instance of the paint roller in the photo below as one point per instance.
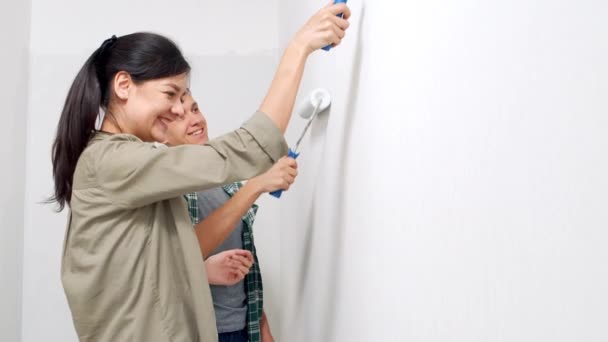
(318, 101)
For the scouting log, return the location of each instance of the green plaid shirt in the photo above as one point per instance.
(253, 280)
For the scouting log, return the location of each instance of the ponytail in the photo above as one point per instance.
(75, 128)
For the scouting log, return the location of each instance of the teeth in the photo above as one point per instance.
(197, 132)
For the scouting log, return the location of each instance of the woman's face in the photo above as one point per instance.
(190, 129)
(147, 108)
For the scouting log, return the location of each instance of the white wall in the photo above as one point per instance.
(14, 40)
(233, 53)
(459, 181)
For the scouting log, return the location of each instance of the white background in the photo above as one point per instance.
(456, 191)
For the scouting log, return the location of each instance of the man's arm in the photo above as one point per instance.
(265, 329)
(216, 227)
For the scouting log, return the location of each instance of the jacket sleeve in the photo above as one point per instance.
(134, 174)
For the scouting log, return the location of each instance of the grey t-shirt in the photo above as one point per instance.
(229, 302)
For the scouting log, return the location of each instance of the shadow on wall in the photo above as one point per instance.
(317, 134)
(334, 284)
(325, 220)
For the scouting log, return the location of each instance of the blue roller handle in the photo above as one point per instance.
(278, 193)
(328, 47)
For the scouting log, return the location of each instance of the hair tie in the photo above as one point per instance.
(107, 44)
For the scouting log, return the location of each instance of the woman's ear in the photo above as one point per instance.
(122, 84)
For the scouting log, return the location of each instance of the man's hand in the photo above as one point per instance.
(228, 267)
(279, 177)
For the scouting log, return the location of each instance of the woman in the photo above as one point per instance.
(132, 269)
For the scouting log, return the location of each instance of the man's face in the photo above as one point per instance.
(191, 129)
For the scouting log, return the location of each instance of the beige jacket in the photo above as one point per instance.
(132, 268)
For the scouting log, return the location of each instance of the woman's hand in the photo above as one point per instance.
(228, 267)
(324, 28)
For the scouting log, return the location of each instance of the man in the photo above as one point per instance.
(223, 219)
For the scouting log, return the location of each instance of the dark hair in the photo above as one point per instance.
(145, 56)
